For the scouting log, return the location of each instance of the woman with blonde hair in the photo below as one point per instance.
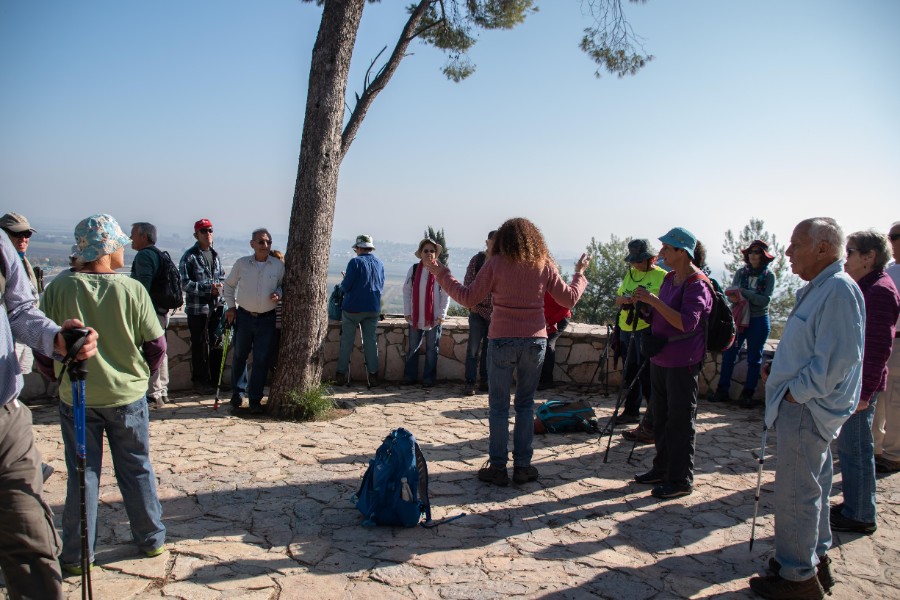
(516, 275)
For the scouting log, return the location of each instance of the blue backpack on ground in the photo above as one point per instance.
(394, 490)
(557, 416)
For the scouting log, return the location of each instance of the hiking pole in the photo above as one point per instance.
(761, 459)
(622, 395)
(227, 337)
(611, 423)
(362, 346)
(75, 339)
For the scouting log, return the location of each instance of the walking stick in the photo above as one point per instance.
(222, 366)
(761, 460)
(75, 339)
(623, 394)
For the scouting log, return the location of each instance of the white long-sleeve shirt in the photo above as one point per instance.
(251, 283)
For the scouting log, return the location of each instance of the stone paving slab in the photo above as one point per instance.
(257, 508)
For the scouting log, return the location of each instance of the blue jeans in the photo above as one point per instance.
(256, 334)
(802, 486)
(478, 344)
(431, 338)
(525, 356)
(127, 431)
(756, 334)
(368, 322)
(856, 450)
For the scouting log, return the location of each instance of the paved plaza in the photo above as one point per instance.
(257, 508)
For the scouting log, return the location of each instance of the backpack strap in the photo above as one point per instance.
(683, 336)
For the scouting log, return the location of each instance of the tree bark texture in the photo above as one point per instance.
(312, 215)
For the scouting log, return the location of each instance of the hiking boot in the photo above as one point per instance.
(886, 465)
(639, 434)
(628, 419)
(373, 380)
(524, 474)
(746, 399)
(155, 551)
(841, 523)
(823, 571)
(469, 390)
(721, 395)
(776, 587)
(257, 409)
(236, 401)
(495, 475)
(664, 491)
(648, 477)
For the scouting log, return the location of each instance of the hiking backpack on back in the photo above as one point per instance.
(165, 290)
(334, 303)
(720, 329)
(394, 490)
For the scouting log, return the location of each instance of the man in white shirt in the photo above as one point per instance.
(252, 291)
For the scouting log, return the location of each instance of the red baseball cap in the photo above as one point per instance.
(202, 224)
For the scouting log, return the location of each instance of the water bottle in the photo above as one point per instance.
(405, 492)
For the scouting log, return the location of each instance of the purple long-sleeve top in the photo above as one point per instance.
(882, 309)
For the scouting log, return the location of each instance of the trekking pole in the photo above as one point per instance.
(761, 459)
(362, 346)
(623, 393)
(75, 339)
(227, 336)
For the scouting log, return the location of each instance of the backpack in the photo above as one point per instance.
(165, 289)
(720, 327)
(334, 303)
(557, 416)
(394, 490)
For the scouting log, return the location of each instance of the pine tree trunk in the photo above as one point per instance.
(312, 216)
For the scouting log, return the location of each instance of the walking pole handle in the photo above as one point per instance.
(74, 338)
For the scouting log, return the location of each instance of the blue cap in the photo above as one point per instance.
(680, 237)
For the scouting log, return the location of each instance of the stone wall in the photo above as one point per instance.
(579, 357)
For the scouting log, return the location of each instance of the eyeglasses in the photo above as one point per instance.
(20, 234)
(264, 242)
(894, 236)
(205, 230)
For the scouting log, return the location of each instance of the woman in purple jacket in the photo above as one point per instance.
(677, 319)
(867, 255)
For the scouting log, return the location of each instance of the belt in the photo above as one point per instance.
(256, 314)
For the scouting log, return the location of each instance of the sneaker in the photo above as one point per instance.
(639, 435)
(664, 491)
(628, 419)
(373, 380)
(236, 401)
(155, 551)
(776, 587)
(841, 523)
(469, 390)
(721, 395)
(495, 475)
(75, 568)
(886, 465)
(649, 477)
(524, 474)
(823, 571)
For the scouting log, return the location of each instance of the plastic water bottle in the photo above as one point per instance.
(405, 492)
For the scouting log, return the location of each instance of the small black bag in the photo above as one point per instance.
(651, 345)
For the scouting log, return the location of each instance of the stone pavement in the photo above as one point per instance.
(257, 508)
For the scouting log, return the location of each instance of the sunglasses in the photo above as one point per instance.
(20, 234)
(205, 230)
(264, 242)
(894, 236)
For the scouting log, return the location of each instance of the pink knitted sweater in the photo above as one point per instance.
(517, 293)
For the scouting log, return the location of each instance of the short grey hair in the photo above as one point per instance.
(148, 229)
(872, 241)
(260, 231)
(826, 229)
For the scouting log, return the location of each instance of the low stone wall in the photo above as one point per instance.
(580, 358)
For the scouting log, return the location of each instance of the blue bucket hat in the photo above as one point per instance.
(679, 237)
(97, 236)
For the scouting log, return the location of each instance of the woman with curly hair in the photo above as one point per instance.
(516, 275)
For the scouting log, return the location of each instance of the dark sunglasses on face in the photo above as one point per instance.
(894, 236)
(264, 242)
(20, 234)
(206, 230)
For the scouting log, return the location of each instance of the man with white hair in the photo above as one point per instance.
(812, 388)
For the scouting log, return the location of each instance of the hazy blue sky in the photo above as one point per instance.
(171, 111)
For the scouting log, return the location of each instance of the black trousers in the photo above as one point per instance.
(673, 398)
(206, 359)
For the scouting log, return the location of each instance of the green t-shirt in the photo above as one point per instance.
(119, 308)
(652, 280)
